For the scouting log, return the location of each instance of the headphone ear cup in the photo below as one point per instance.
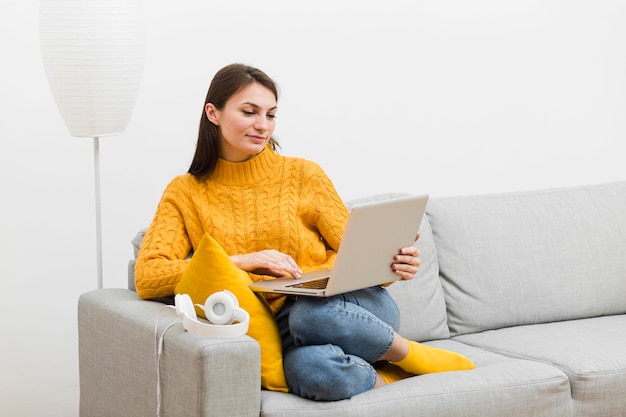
(184, 305)
(239, 314)
(221, 308)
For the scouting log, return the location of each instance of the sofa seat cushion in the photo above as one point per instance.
(498, 386)
(531, 257)
(592, 352)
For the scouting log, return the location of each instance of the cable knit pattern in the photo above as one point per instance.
(268, 202)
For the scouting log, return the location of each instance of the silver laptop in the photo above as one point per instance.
(374, 234)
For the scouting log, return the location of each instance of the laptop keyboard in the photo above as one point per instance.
(316, 284)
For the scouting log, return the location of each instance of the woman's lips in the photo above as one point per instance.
(257, 139)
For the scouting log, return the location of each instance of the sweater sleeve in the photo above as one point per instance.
(330, 211)
(166, 245)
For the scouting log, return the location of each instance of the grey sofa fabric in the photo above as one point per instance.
(499, 386)
(533, 257)
(118, 373)
(530, 286)
(221, 377)
(590, 351)
(421, 301)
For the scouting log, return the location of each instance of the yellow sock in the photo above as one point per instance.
(390, 372)
(423, 359)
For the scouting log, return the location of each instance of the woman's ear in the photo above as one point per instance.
(212, 113)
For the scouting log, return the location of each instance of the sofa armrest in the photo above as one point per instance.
(198, 376)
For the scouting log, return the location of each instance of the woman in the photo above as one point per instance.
(276, 216)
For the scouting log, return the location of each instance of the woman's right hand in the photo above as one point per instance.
(268, 262)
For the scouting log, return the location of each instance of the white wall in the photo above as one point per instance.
(444, 97)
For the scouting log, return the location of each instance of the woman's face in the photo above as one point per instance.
(246, 122)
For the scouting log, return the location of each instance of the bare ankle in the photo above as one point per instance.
(379, 381)
(398, 350)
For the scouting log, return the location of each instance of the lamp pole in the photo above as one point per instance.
(96, 165)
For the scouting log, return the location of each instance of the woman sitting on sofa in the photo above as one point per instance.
(278, 215)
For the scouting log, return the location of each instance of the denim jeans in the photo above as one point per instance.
(330, 344)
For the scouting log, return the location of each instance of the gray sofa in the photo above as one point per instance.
(531, 286)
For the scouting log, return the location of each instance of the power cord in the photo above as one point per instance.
(158, 350)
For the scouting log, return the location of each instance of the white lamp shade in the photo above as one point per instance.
(93, 54)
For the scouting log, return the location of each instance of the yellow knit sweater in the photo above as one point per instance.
(268, 202)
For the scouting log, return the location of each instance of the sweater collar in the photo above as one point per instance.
(247, 172)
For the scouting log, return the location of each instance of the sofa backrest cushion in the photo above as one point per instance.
(532, 257)
(420, 301)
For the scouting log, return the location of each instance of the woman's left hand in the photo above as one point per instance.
(407, 262)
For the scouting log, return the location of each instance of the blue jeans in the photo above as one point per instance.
(330, 344)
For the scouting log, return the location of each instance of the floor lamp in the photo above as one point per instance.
(93, 53)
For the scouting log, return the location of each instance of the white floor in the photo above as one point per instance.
(42, 400)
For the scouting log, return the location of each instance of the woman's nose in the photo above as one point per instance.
(261, 124)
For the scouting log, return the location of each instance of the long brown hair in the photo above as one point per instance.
(227, 82)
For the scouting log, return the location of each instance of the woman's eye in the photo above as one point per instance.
(253, 113)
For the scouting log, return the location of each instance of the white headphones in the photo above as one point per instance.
(221, 309)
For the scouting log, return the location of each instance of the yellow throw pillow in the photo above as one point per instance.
(211, 270)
